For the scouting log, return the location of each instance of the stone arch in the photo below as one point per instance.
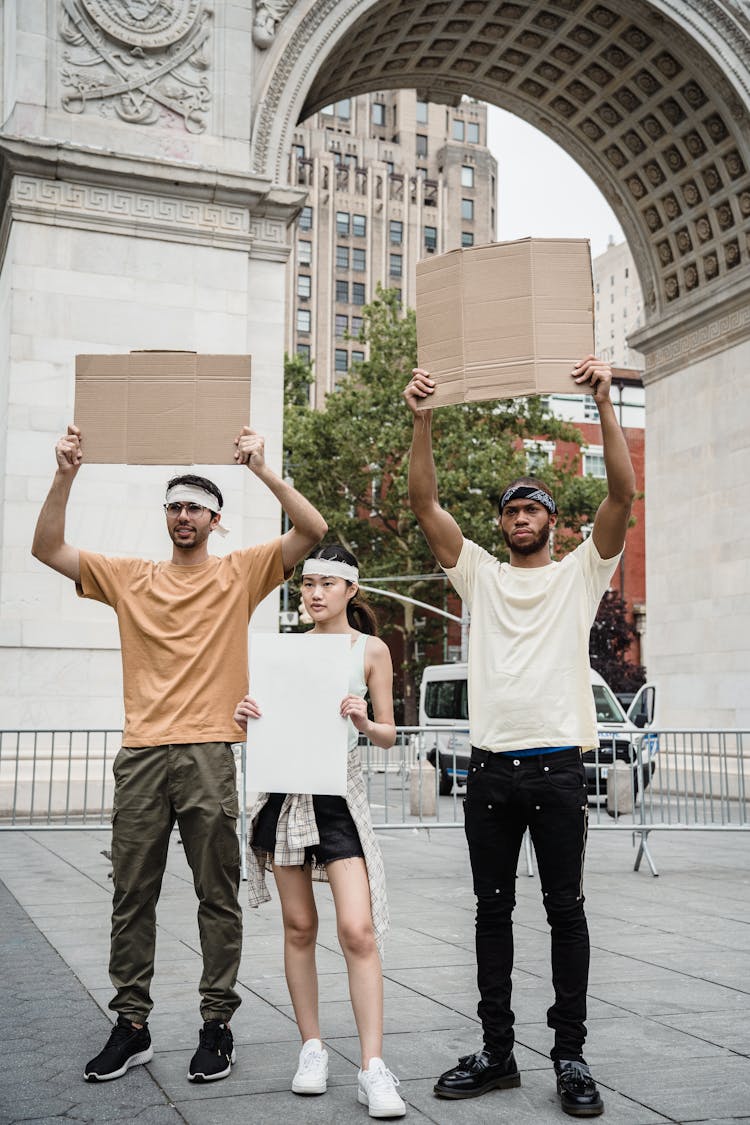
(650, 98)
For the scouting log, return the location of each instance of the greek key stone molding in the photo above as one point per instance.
(142, 213)
(268, 14)
(143, 61)
(712, 335)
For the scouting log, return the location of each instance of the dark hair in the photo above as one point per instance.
(530, 482)
(358, 613)
(199, 482)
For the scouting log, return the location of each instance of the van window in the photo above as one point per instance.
(447, 699)
(608, 709)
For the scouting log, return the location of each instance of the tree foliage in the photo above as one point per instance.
(612, 634)
(351, 460)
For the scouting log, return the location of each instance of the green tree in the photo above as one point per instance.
(351, 460)
(611, 637)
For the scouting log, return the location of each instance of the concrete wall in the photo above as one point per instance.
(698, 541)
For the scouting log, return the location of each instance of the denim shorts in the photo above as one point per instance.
(339, 838)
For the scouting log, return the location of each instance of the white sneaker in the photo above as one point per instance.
(312, 1071)
(376, 1088)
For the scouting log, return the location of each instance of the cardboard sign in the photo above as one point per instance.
(300, 743)
(505, 320)
(161, 408)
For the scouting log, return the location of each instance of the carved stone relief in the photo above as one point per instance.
(143, 61)
(268, 15)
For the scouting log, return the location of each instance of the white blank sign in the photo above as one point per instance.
(300, 743)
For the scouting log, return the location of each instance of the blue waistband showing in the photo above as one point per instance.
(537, 750)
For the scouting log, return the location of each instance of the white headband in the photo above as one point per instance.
(194, 494)
(330, 568)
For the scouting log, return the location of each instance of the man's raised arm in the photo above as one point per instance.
(49, 544)
(439, 527)
(612, 519)
(308, 526)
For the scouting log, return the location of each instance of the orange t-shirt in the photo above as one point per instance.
(183, 633)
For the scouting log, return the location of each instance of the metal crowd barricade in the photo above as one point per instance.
(665, 780)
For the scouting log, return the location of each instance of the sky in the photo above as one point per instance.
(529, 163)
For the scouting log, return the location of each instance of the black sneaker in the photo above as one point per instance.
(215, 1053)
(578, 1093)
(127, 1046)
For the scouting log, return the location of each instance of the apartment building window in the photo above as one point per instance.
(467, 238)
(303, 320)
(342, 224)
(398, 295)
(304, 286)
(357, 322)
(396, 265)
(359, 260)
(430, 238)
(358, 357)
(342, 325)
(467, 209)
(538, 454)
(299, 151)
(304, 252)
(390, 166)
(344, 109)
(396, 232)
(458, 129)
(358, 293)
(593, 462)
(342, 292)
(359, 226)
(303, 351)
(305, 218)
(342, 360)
(472, 132)
(421, 113)
(467, 176)
(328, 110)
(378, 113)
(342, 257)
(421, 144)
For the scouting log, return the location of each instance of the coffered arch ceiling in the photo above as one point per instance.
(636, 97)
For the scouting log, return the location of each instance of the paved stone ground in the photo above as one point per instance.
(669, 1013)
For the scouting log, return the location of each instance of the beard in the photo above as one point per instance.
(529, 546)
(187, 544)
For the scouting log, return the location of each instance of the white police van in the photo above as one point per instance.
(444, 702)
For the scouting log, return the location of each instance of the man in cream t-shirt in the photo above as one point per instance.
(183, 631)
(531, 713)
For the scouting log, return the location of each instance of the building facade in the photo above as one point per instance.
(390, 179)
(618, 305)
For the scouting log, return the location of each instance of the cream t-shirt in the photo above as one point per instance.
(529, 682)
(183, 632)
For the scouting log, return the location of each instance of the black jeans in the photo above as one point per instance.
(504, 796)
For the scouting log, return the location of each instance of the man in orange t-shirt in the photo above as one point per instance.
(183, 632)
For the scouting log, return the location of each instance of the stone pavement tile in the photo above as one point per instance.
(680, 994)
(626, 1039)
(725, 1029)
(338, 1106)
(50, 1027)
(260, 1068)
(428, 1054)
(689, 1090)
(535, 1102)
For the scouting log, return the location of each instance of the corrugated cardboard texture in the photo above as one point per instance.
(506, 319)
(161, 408)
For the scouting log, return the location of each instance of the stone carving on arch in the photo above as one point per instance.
(268, 14)
(142, 61)
(640, 93)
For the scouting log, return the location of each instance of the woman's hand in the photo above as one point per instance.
(355, 708)
(246, 709)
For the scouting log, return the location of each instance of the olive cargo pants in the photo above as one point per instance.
(194, 784)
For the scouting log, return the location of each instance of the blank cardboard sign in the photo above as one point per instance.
(506, 319)
(161, 408)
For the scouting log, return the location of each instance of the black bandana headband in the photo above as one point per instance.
(528, 492)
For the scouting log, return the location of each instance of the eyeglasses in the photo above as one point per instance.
(175, 508)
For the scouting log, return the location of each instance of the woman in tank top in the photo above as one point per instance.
(342, 848)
